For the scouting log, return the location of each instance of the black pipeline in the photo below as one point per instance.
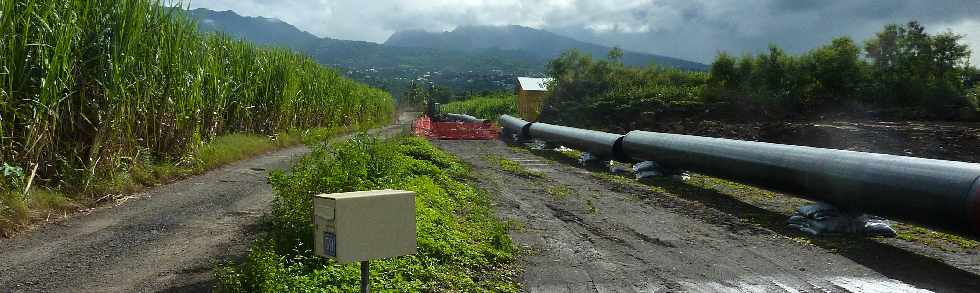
(936, 193)
(463, 118)
(598, 143)
(515, 125)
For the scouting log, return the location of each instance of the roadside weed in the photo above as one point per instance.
(461, 245)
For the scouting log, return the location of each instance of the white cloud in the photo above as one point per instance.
(970, 29)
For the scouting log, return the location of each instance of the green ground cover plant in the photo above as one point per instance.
(486, 107)
(513, 167)
(19, 208)
(461, 245)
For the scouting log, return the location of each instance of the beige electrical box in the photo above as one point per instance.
(364, 225)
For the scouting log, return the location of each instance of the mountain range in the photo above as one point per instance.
(467, 59)
(538, 43)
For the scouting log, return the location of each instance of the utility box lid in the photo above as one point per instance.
(364, 225)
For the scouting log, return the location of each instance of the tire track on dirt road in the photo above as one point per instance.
(166, 238)
(598, 236)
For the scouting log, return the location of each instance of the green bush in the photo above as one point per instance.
(973, 97)
(485, 107)
(461, 246)
(13, 211)
(605, 94)
(901, 67)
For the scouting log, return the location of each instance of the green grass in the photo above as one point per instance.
(485, 107)
(772, 209)
(571, 154)
(617, 179)
(232, 148)
(220, 151)
(933, 238)
(513, 167)
(518, 149)
(559, 191)
(13, 212)
(786, 205)
(49, 201)
(744, 192)
(18, 211)
(461, 245)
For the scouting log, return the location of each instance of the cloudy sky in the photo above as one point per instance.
(690, 29)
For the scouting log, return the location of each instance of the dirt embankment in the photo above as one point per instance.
(934, 140)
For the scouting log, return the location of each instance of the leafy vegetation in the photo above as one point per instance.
(559, 191)
(973, 98)
(18, 208)
(940, 240)
(461, 246)
(486, 107)
(513, 167)
(607, 93)
(904, 73)
(906, 67)
(92, 89)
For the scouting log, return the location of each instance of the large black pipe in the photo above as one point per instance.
(936, 193)
(515, 125)
(598, 143)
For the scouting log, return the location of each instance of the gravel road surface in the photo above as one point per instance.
(167, 238)
(588, 234)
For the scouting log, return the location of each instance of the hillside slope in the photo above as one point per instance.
(468, 59)
(389, 67)
(356, 54)
(539, 43)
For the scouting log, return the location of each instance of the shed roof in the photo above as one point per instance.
(533, 84)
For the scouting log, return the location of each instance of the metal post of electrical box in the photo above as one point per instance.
(364, 225)
(365, 276)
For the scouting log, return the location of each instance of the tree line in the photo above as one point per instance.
(902, 66)
(902, 72)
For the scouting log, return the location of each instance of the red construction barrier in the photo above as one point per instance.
(425, 127)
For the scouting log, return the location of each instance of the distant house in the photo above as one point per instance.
(530, 95)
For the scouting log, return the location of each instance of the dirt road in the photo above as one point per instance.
(167, 238)
(588, 234)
